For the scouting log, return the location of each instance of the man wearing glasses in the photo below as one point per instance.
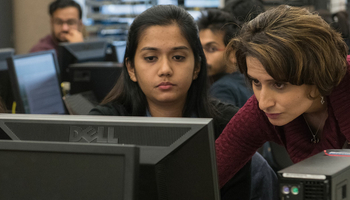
(66, 25)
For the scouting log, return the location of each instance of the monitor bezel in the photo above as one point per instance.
(66, 56)
(14, 77)
(130, 152)
(4, 54)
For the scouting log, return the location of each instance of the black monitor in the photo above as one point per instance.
(35, 83)
(177, 155)
(52, 170)
(6, 95)
(98, 77)
(69, 53)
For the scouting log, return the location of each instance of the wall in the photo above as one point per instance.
(31, 22)
(6, 27)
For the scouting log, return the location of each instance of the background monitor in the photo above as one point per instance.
(35, 83)
(119, 50)
(177, 155)
(47, 170)
(69, 53)
(98, 77)
(5, 83)
(202, 3)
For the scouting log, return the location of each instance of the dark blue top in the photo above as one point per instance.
(231, 88)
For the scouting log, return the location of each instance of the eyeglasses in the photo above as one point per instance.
(70, 22)
(212, 49)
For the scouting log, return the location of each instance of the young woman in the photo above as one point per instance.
(165, 75)
(297, 65)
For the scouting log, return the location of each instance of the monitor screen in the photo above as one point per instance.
(202, 3)
(120, 47)
(177, 155)
(36, 84)
(6, 95)
(69, 53)
(52, 170)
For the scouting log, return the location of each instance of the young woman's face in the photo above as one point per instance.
(281, 102)
(164, 65)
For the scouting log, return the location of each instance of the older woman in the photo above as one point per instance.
(297, 65)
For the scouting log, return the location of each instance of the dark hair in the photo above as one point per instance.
(218, 20)
(294, 46)
(129, 94)
(64, 4)
(2, 106)
(244, 10)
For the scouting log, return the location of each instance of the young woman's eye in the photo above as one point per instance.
(150, 58)
(178, 58)
(280, 85)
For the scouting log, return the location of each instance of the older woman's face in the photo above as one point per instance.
(281, 102)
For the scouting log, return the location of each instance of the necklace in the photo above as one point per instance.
(314, 139)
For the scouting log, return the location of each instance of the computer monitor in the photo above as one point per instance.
(177, 155)
(52, 170)
(119, 50)
(35, 83)
(6, 95)
(69, 53)
(202, 3)
(98, 77)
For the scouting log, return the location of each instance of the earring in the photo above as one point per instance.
(322, 100)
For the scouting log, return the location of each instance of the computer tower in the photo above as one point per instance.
(324, 176)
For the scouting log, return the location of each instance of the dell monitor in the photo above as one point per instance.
(69, 53)
(6, 95)
(35, 82)
(177, 155)
(70, 171)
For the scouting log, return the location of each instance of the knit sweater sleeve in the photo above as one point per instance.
(248, 130)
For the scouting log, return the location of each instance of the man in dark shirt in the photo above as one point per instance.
(66, 25)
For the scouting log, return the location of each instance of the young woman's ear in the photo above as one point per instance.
(131, 70)
(196, 71)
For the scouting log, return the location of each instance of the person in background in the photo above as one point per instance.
(341, 24)
(165, 75)
(216, 29)
(244, 10)
(66, 25)
(298, 68)
(339, 21)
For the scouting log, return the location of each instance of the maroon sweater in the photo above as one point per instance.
(46, 43)
(249, 129)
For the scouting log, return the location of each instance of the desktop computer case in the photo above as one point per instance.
(319, 177)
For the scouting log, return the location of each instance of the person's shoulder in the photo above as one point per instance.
(224, 108)
(44, 44)
(111, 109)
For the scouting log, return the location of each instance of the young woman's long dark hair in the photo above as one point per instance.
(129, 94)
(2, 107)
